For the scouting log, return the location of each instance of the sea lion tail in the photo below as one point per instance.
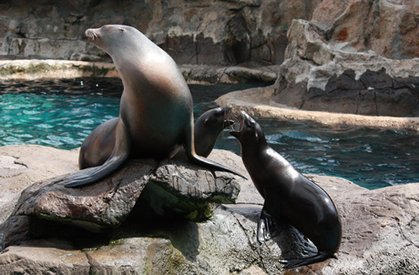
(293, 263)
(204, 162)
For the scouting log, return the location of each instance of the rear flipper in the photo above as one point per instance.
(266, 228)
(204, 162)
(93, 174)
(293, 263)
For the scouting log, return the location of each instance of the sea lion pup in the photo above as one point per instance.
(155, 116)
(207, 128)
(98, 146)
(289, 196)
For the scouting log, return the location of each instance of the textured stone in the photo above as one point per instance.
(258, 103)
(380, 236)
(321, 76)
(380, 232)
(389, 28)
(196, 32)
(174, 189)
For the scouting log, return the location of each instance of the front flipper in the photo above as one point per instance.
(266, 228)
(204, 162)
(93, 174)
(293, 263)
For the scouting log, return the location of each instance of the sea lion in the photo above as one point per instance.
(207, 128)
(155, 116)
(289, 196)
(98, 146)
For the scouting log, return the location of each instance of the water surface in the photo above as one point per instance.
(61, 113)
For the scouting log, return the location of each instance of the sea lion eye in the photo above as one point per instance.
(250, 123)
(122, 30)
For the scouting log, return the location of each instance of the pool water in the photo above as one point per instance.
(61, 113)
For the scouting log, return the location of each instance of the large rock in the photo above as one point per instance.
(388, 27)
(322, 76)
(174, 189)
(380, 236)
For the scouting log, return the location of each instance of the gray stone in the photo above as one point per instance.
(193, 32)
(320, 76)
(380, 236)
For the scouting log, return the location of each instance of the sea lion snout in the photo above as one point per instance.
(238, 125)
(92, 34)
(226, 113)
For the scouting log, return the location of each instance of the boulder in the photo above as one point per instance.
(321, 76)
(389, 28)
(174, 189)
(380, 236)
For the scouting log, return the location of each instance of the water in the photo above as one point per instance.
(62, 113)
(369, 158)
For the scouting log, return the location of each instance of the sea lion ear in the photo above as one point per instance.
(206, 121)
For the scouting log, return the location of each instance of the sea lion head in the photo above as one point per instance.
(216, 119)
(114, 38)
(249, 130)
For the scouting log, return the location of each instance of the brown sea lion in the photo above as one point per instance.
(289, 197)
(155, 109)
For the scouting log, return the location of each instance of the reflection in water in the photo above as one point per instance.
(62, 113)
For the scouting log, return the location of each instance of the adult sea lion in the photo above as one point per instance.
(289, 196)
(98, 146)
(155, 109)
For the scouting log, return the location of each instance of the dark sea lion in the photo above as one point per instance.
(98, 146)
(207, 128)
(289, 196)
(155, 109)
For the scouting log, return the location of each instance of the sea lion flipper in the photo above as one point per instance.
(119, 155)
(91, 175)
(266, 228)
(319, 257)
(192, 156)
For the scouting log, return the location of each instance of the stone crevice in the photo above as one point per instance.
(400, 228)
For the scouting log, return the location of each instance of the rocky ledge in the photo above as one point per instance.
(380, 227)
(36, 69)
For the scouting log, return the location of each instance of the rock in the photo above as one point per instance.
(380, 236)
(258, 103)
(387, 27)
(203, 32)
(21, 166)
(318, 75)
(205, 74)
(171, 189)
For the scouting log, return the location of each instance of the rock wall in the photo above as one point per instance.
(388, 27)
(324, 76)
(193, 32)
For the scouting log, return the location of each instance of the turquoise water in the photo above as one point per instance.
(62, 113)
